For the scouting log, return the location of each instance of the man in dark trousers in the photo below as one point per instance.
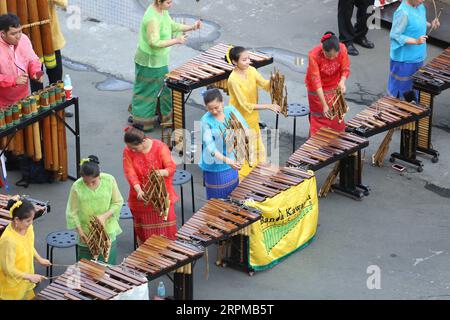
(349, 34)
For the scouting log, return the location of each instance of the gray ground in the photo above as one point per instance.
(402, 227)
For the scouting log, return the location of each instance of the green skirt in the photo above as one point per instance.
(84, 253)
(147, 86)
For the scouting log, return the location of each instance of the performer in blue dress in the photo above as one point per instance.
(408, 45)
(219, 164)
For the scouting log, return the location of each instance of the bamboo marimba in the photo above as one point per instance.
(387, 114)
(328, 146)
(216, 221)
(44, 140)
(159, 256)
(88, 280)
(41, 208)
(338, 107)
(98, 241)
(278, 91)
(156, 193)
(208, 68)
(237, 140)
(431, 80)
(34, 17)
(267, 181)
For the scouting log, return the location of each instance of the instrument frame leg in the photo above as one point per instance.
(349, 178)
(408, 149)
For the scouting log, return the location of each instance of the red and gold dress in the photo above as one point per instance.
(147, 221)
(325, 73)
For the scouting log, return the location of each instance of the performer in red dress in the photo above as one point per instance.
(139, 156)
(328, 69)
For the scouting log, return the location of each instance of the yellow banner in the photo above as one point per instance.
(289, 223)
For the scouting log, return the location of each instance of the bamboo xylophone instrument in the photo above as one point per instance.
(88, 280)
(155, 191)
(208, 68)
(434, 77)
(5, 218)
(339, 107)
(40, 207)
(237, 141)
(385, 114)
(216, 220)
(209, 65)
(159, 256)
(98, 242)
(41, 140)
(278, 91)
(325, 147)
(267, 181)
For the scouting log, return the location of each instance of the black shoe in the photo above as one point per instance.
(68, 114)
(351, 49)
(130, 119)
(363, 42)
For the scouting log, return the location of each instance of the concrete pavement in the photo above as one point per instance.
(402, 227)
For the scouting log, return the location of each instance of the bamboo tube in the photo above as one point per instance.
(380, 155)
(22, 12)
(33, 17)
(37, 97)
(61, 151)
(9, 124)
(46, 132)
(36, 133)
(54, 137)
(12, 6)
(64, 160)
(46, 34)
(61, 134)
(51, 96)
(29, 140)
(329, 182)
(54, 130)
(18, 138)
(3, 7)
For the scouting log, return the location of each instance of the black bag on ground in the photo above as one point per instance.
(33, 172)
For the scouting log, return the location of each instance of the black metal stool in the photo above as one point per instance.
(295, 110)
(125, 214)
(61, 240)
(180, 178)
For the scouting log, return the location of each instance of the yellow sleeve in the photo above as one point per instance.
(261, 82)
(241, 99)
(8, 262)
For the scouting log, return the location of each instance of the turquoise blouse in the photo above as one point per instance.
(409, 22)
(213, 141)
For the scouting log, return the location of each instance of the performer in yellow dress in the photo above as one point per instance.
(17, 252)
(243, 86)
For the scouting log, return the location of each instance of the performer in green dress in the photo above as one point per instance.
(151, 63)
(94, 194)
